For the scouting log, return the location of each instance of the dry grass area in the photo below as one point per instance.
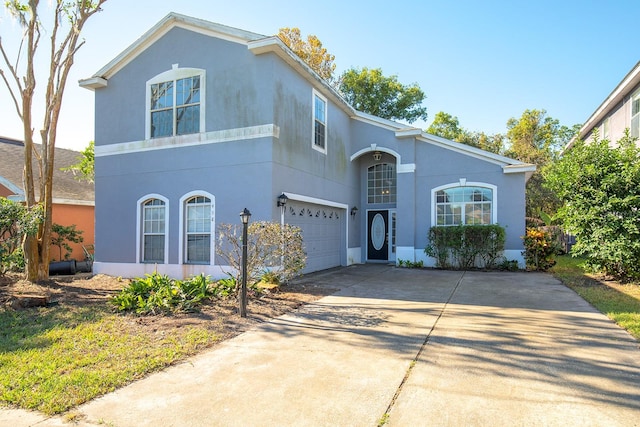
(76, 347)
(82, 290)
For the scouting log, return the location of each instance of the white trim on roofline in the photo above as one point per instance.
(275, 45)
(56, 201)
(508, 165)
(630, 81)
(172, 20)
(11, 186)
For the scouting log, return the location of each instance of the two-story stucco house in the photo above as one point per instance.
(619, 111)
(196, 121)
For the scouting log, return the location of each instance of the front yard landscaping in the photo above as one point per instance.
(620, 302)
(77, 348)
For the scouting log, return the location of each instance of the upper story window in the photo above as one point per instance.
(152, 243)
(635, 114)
(464, 205)
(381, 183)
(319, 122)
(606, 128)
(175, 103)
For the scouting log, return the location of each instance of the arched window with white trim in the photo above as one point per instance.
(152, 236)
(470, 204)
(197, 228)
(175, 103)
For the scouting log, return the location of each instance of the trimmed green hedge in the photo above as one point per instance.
(466, 246)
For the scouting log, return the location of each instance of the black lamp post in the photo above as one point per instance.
(244, 217)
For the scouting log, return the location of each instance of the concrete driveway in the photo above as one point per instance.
(404, 347)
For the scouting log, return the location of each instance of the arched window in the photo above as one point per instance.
(465, 205)
(175, 103)
(198, 224)
(153, 236)
(381, 183)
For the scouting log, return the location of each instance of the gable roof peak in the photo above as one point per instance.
(170, 21)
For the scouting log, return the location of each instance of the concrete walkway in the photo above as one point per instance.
(402, 346)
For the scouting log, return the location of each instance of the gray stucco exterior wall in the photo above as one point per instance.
(256, 144)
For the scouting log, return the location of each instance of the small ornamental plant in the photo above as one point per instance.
(540, 249)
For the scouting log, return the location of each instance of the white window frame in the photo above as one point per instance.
(606, 128)
(183, 229)
(634, 128)
(494, 201)
(175, 74)
(392, 197)
(140, 229)
(316, 94)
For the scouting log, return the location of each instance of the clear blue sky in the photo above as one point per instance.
(482, 61)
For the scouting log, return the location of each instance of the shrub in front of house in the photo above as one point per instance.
(541, 248)
(156, 293)
(466, 246)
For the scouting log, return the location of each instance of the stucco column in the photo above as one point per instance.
(406, 213)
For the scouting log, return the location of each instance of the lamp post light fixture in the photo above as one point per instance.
(354, 211)
(244, 217)
(282, 200)
(377, 156)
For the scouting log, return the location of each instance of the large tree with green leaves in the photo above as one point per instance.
(537, 138)
(310, 51)
(20, 76)
(369, 91)
(600, 188)
(448, 126)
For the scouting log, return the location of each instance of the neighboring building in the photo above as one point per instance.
(73, 201)
(196, 121)
(619, 111)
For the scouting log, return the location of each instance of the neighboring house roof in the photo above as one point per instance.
(626, 85)
(260, 44)
(66, 189)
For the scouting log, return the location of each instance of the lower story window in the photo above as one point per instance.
(464, 206)
(198, 230)
(153, 231)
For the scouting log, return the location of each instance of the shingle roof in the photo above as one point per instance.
(65, 186)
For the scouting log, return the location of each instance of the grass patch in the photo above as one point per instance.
(55, 358)
(620, 302)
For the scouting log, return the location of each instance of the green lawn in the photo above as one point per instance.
(55, 358)
(621, 302)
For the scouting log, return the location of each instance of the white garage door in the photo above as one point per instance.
(322, 232)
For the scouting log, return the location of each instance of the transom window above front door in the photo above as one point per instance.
(381, 183)
(175, 103)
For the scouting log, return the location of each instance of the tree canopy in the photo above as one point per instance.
(310, 51)
(369, 91)
(448, 126)
(600, 188)
(538, 139)
(84, 170)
